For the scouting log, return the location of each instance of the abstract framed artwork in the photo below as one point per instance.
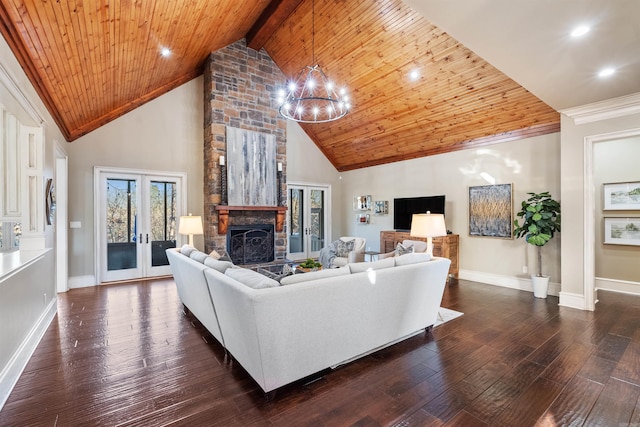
(621, 196)
(622, 231)
(251, 168)
(491, 211)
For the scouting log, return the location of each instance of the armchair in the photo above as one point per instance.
(342, 252)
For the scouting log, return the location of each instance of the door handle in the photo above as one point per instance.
(147, 237)
(140, 238)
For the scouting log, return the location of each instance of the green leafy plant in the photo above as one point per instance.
(310, 263)
(540, 220)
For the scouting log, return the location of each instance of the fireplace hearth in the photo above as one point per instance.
(250, 244)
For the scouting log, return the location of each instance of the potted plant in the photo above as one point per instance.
(310, 265)
(540, 220)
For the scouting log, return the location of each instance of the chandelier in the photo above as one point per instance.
(312, 97)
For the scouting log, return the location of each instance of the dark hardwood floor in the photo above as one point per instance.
(127, 355)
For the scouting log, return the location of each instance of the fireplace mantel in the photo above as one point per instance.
(223, 215)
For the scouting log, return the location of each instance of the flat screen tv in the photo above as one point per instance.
(404, 208)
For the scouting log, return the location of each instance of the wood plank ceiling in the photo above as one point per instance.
(92, 61)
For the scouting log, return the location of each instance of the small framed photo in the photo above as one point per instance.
(622, 231)
(363, 218)
(381, 207)
(621, 196)
(362, 203)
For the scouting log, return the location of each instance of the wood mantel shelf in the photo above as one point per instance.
(223, 215)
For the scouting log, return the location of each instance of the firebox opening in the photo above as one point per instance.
(250, 244)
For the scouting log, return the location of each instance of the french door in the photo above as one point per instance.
(308, 220)
(137, 222)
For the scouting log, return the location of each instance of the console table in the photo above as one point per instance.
(445, 246)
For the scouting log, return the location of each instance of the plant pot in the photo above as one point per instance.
(540, 285)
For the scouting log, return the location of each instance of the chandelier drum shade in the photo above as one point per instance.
(312, 97)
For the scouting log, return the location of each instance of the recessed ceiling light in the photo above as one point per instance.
(580, 31)
(606, 72)
(414, 74)
(165, 52)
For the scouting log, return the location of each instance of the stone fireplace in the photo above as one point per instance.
(239, 84)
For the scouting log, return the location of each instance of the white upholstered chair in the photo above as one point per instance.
(328, 259)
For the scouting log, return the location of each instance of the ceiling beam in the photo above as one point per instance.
(272, 17)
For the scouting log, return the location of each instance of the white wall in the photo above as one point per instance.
(307, 164)
(531, 165)
(165, 134)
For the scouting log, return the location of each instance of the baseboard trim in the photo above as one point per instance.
(520, 283)
(620, 286)
(14, 368)
(571, 300)
(82, 281)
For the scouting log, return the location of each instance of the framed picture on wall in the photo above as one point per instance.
(491, 211)
(622, 231)
(621, 196)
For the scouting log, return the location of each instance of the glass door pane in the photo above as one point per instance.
(121, 228)
(296, 223)
(316, 222)
(163, 205)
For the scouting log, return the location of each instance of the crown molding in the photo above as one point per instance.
(14, 89)
(603, 110)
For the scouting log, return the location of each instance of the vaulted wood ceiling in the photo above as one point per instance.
(92, 61)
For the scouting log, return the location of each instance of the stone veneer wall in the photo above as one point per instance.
(239, 88)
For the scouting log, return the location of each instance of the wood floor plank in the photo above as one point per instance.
(573, 404)
(615, 405)
(628, 368)
(527, 408)
(127, 354)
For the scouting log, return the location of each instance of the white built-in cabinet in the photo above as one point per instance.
(10, 202)
(22, 163)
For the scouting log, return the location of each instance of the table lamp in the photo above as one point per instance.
(428, 225)
(190, 225)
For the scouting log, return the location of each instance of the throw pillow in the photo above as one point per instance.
(198, 256)
(402, 249)
(343, 248)
(412, 258)
(251, 278)
(314, 275)
(214, 254)
(187, 249)
(359, 267)
(218, 265)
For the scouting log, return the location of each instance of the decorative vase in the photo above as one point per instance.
(540, 285)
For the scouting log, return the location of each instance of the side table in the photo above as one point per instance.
(371, 255)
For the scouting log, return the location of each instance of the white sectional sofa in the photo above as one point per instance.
(313, 321)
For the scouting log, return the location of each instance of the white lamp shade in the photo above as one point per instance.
(428, 225)
(190, 225)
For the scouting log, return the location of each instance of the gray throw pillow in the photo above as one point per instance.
(343, 248)
(402, 250)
